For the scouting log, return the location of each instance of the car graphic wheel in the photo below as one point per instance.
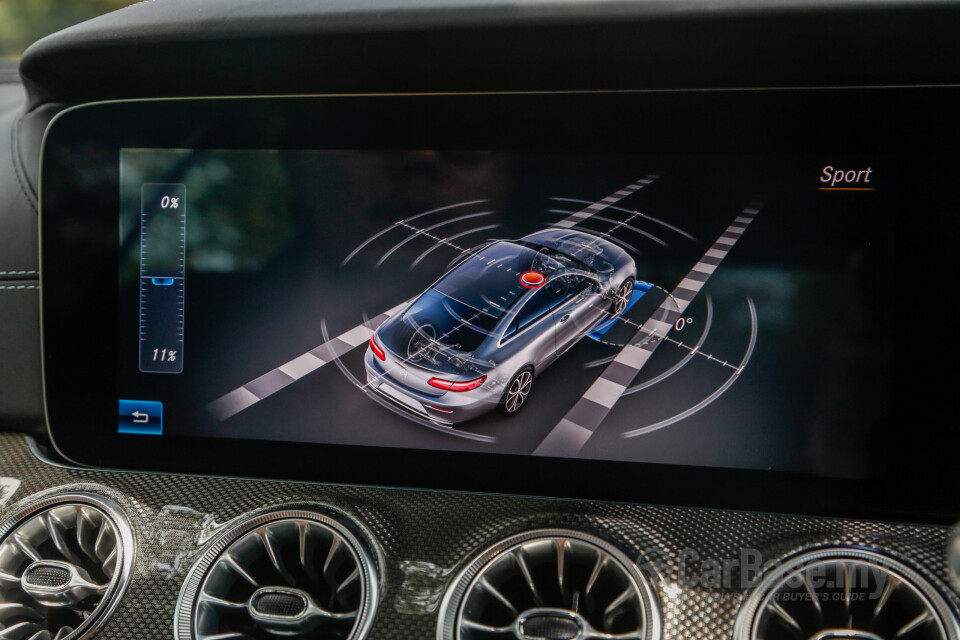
(517, 392)
(623, 295)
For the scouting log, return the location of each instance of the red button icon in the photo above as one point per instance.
(532, 279)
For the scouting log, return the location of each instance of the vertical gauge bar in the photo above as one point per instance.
(163, 215)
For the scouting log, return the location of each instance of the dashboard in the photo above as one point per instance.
(558, 321)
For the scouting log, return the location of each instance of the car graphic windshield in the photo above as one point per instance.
(586, 255)
(451, 323)
(490, 281)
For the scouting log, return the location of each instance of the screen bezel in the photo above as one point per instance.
(80, 199)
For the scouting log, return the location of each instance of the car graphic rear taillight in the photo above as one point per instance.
(449, 385)
(377, 351)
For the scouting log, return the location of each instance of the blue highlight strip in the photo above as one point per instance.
(639, 290)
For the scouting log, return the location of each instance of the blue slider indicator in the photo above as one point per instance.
(162, 282)
(140, 416)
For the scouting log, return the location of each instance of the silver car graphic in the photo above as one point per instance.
(476, 339)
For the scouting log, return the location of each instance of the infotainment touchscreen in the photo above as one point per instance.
(706, 298)
(720, 311)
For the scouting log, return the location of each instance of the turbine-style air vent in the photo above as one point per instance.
(64, 562)
(550, 585)
(848, 594)
(295, 574)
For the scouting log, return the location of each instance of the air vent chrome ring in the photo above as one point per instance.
(294, 572)
(550, 584)
(846, 593)
(65, 562)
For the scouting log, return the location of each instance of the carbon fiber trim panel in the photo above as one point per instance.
(697, 558)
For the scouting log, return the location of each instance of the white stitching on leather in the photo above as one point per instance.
(19, 273)
(19, 286)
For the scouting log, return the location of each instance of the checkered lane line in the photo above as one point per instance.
(286, 374)
(572, 432)
(269, 383)
(575, 218)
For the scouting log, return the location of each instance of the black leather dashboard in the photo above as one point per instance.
(181, 48)
(19, 269)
